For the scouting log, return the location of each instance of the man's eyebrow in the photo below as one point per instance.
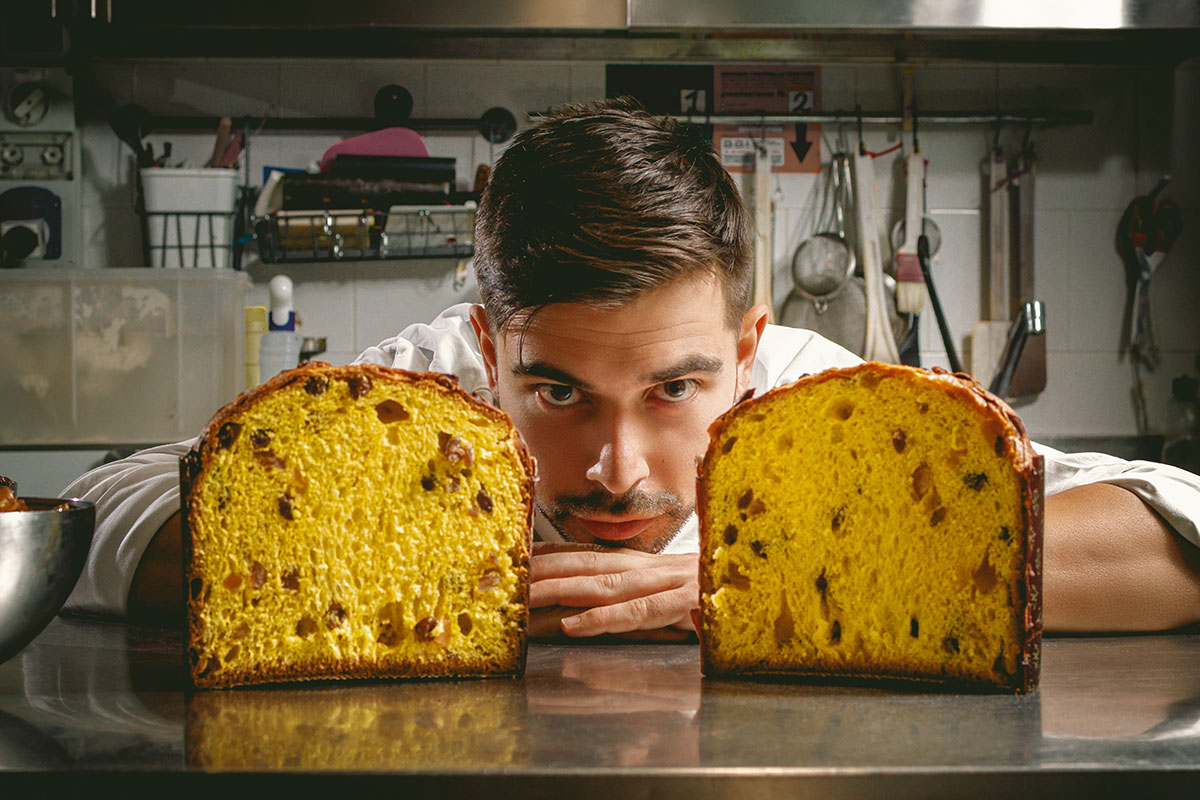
(540, 369)
(696, 362)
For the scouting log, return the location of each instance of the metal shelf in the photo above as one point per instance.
(887, 118)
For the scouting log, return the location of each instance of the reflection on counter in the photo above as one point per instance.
(634, 711)
(613, 705)
(427, 725)
(1095, 691)
(843, 726)
(106, 696)
(100, 694)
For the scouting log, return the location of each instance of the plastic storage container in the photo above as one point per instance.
(117, 356)
(278, 351)
(189, 216)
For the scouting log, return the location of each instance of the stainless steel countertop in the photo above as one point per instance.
(89, 702)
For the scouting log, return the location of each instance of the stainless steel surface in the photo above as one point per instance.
(1130, 48)
(99, 701)
(676, 15)
(41, 555)
(552, 15)
(911, 14)
(883, 118)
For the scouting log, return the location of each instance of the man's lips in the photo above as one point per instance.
(615, 530)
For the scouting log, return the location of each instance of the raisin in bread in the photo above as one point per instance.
(356, 521)
(875, 521)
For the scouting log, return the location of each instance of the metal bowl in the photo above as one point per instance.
(42, 553)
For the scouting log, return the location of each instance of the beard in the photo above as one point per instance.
(669, 509)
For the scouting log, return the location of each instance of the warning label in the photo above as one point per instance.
(739, 151)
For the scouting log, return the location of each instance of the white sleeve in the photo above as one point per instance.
(786, 354)
(1172, 492)
(133, 497)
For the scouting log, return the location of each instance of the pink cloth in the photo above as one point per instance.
(386, 142)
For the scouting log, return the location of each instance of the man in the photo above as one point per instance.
(613, 258)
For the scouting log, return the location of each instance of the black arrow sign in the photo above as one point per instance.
(802, 145)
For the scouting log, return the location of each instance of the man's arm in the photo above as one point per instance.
(1112, 564)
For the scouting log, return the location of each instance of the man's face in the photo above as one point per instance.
(615, 405)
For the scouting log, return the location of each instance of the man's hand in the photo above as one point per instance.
(588, 590)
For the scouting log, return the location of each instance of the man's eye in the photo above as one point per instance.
(676, 391)
(558, 394)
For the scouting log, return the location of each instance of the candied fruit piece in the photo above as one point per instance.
(425, 628)
(228, 434)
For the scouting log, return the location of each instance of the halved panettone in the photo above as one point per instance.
(875, 521)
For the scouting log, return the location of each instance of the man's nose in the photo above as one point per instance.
(621, 462)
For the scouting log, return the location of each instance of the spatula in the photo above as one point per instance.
(1029, 379)
(989, 336)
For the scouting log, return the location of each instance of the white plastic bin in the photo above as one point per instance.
(189, 216)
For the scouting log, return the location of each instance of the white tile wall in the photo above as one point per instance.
(347, 88)
(1146, 123)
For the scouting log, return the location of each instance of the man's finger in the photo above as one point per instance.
(568, 547)
(546, 623)
(606, 588)
(562, 565)
(641, 613)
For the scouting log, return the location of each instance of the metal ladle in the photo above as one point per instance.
(824, 262)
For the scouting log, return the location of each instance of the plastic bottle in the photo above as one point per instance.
(280, 346)
(1182, 445)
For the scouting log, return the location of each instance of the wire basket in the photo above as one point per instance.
(192, 217)
(402, 232)
(190, 239)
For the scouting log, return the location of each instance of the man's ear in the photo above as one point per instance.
(487, 346)
(754, 322)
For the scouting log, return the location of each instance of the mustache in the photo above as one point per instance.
(635, 501)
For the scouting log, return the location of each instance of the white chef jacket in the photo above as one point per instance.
(136, 495)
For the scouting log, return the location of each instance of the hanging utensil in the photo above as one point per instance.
(880, 342)
(1029, 375)
(131, 123)
(1030, 322)
(1148, 229)
(764, 220)
(943, 328)
(989, 336)
(824, 261)
(1151, 230)
(910, 286)
(843, 319)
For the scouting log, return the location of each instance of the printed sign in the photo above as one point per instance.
(767, 89)
(693, 101)
(792, 148)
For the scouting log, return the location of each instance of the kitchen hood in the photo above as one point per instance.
(1051, 31)
(679, 16)
(913, 15)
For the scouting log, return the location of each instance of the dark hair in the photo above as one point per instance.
(600, 202)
